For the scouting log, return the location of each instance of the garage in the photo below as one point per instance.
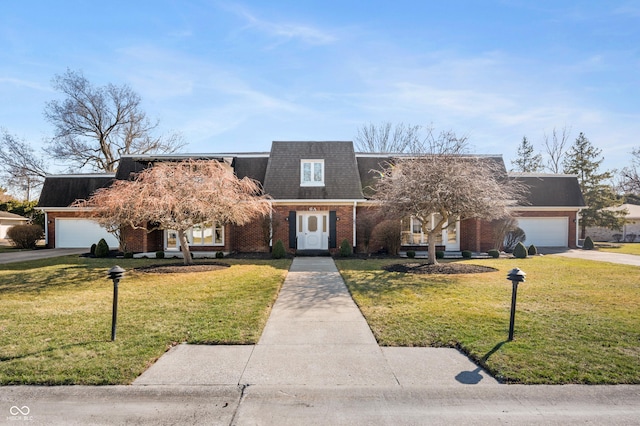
(545, 231)
(80, 233)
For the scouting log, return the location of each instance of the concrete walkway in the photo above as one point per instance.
(315, 336)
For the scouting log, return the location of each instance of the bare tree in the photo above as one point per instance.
(23, 169)
(555, 148)
(448, 183)
(95, 126)
(630, 176)
(178, 196)
(386, 137)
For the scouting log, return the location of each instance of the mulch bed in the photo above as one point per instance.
(181, 268)
(440, 268)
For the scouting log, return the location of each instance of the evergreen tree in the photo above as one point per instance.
(583, 159)
(528, 161)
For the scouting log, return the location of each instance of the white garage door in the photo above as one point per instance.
(80, 233)
(545, 231)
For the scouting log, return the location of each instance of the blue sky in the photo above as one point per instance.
(234, 76)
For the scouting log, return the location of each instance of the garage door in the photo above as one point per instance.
(545, 231)
(80, 233)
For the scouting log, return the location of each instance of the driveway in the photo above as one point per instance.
(27, 255)
(602, 256)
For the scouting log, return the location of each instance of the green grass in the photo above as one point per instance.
(577, 321)
(55, 316)
(624, 248)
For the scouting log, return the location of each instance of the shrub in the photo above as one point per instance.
(512, 239)
(160, 254)
(494, 253)
(411, 254)
(25, 236)
(630, 238)
(387, 235)
(520, 251)
(345, 248)
(278, 251)
(532, 250)
(588, 244)
(92, 250)
(439, 254)
(102, 249)
(467, 254)
(617, 237)
(128, 255)
(219, 255)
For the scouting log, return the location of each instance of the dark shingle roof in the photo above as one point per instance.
(251, 167)
(551, 190)
(369, 163)
(341, 178)
(129, 166)
(63, 190)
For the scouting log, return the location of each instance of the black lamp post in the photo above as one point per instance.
(516, 276)
(115, 273)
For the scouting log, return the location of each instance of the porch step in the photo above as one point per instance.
(313, 253)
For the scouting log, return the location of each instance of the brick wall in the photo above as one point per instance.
(476, 235)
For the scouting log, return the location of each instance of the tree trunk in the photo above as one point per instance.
(431, 239)
(184, 246)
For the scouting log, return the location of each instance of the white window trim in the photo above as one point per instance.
(190, 238)
(312, 162)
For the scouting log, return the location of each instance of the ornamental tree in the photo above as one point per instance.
(447, 181)
(177, 196)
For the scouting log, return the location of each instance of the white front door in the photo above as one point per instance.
(313, 231)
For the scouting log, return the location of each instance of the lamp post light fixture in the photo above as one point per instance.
(115, 273)
(516, 276)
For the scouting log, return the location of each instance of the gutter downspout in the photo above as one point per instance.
(355, 205)
(270, 224)
(578, 228)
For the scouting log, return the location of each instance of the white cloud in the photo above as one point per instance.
(284, 31)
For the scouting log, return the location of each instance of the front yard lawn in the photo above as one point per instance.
(55, 316)
(625, 248)
(577, 321)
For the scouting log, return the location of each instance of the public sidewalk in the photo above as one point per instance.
(315, 336)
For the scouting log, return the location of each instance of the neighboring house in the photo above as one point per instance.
(630, 231)
(7, 220)
(318, 191)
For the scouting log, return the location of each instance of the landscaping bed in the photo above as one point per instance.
(439, 268)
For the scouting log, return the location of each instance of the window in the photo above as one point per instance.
(312, 173)
(412, 234)
(206, 234)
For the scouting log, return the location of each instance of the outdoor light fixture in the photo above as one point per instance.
(115, 273)
(516, 276)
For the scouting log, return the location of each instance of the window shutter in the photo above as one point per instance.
(332, 229)
(292, 230)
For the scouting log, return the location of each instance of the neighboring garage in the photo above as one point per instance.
(545, 231)
(80, 233)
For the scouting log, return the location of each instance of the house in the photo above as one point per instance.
(630, 231)
(318, 194)
(7, 220)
